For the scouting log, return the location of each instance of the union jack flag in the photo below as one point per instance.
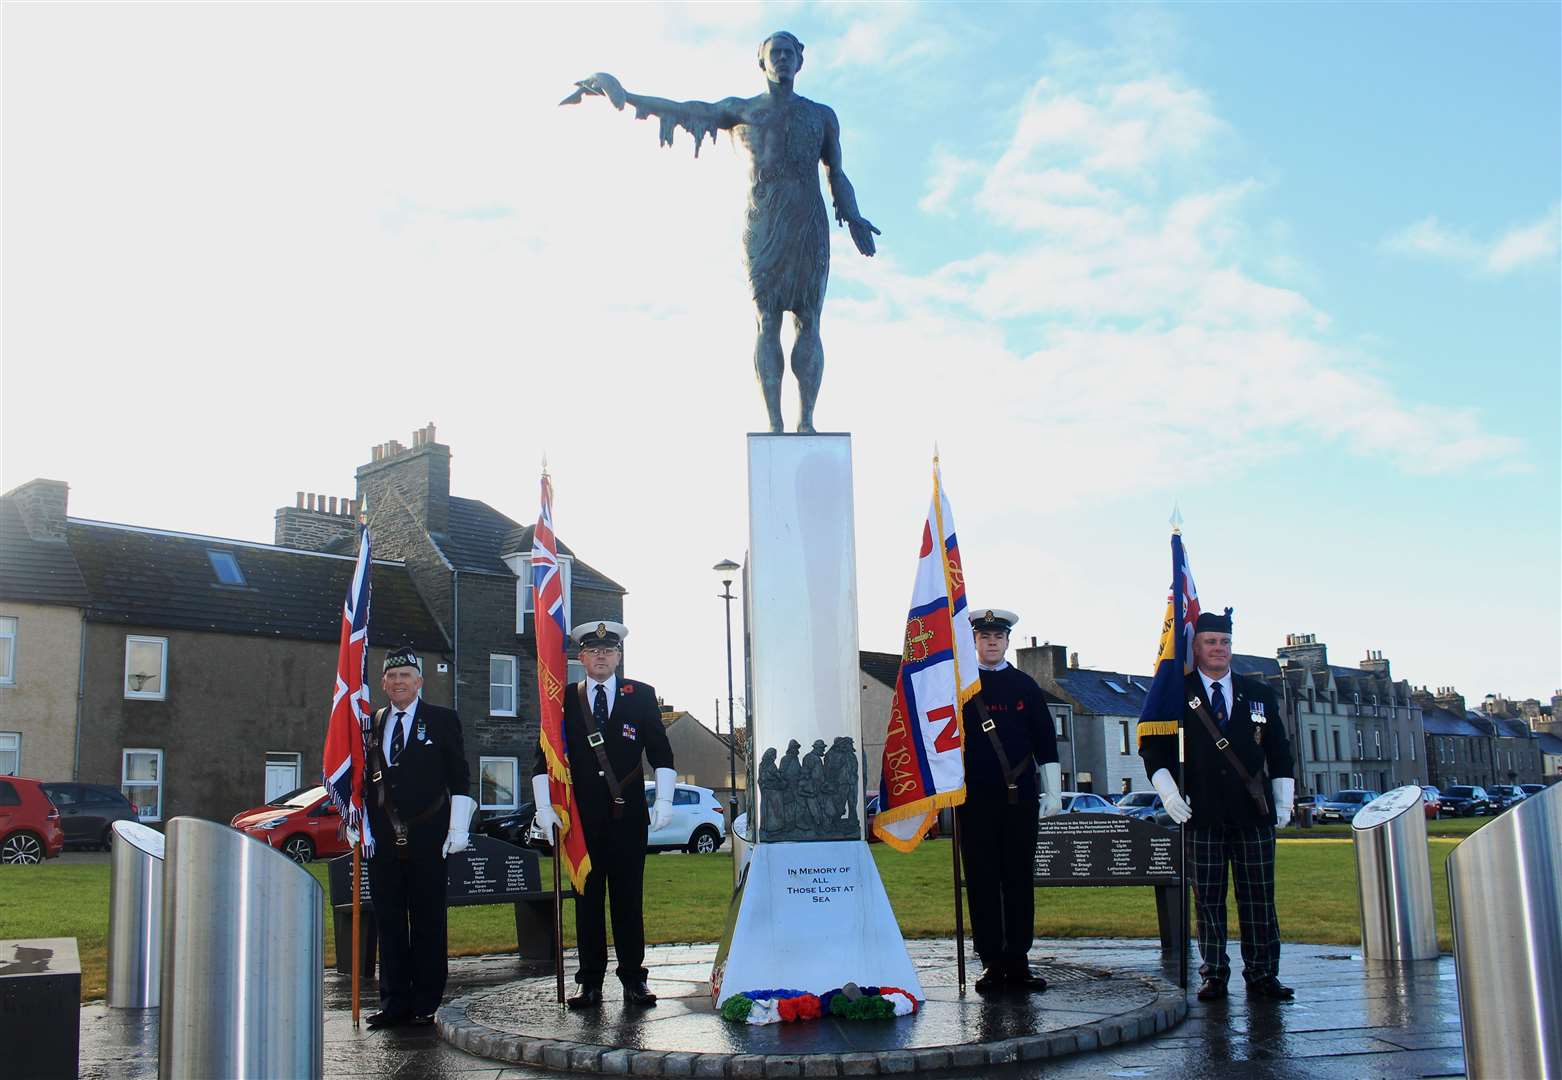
(342, 760)
(548, 613)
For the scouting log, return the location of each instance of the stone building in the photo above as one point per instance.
(1095, 715)
(42, 598)
(704, 757)
(1456, 751)
(471, 566)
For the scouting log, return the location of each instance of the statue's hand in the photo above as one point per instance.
(863, 232)
(599, 85)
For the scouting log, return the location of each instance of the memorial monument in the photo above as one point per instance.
(786, 242)
(811, 878)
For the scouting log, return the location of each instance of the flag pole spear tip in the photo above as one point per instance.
(1176, 518)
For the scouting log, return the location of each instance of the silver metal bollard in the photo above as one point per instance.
(1394, 872)
(243, 959)
(135, 916)
(1505, 893)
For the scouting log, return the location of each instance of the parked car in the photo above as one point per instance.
(1140, 804)
(698, 825)
(511, 826)
(1344, 805)
(1432, 801)
(1086, 802)
(303, 825)
(29, 823)
(1532, 789)
(1466, 800)
(1504, 795)
(88, 812)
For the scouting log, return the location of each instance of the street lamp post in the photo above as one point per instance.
(725, 570)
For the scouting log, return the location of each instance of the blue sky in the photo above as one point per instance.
(1293, 267)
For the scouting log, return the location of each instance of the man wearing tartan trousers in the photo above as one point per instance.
(1227, 825)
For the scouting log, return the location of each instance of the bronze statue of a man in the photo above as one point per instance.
(786, 243)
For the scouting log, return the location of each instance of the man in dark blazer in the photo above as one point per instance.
(609, 725)
(1230, 822)
(998, 820)
(419, 812)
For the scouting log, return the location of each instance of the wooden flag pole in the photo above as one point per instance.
(357, 941)
(558, 917)
(959, 910)
(1182, 886)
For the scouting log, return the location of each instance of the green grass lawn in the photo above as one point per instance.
(686, 900)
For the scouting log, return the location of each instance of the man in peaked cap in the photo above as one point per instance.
(419, 812)
(609, 725)
(1232, 727)
(1008, 737)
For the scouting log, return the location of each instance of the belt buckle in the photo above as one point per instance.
(375, 779)
(401, 841)
(619, 799)
(594, 740)
(989, 724)
(1222, 744)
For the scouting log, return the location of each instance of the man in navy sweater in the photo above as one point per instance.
(1009, 737)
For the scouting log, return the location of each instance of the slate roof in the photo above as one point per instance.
(883, 666)
(1091, 691)
(36, 571)
(519, 539)
(1549, 743)
(1438, 721)
(1255, 667)
(148, 577)
(1511, 729)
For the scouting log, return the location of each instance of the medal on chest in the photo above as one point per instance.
(1260, 721)
(422, 733)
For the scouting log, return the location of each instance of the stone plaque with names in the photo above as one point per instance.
(1106, 849)
(489, 872)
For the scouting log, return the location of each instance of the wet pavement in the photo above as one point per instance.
(1350, 1019)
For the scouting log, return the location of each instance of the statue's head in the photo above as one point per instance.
(781, 56)
(770, 755)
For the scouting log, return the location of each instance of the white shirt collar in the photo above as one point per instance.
(1226, 688)
(999, 666)
(609, 685)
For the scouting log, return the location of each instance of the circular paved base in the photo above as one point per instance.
(1083, 1009)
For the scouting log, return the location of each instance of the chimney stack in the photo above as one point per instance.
(42, 503)
(315, 522)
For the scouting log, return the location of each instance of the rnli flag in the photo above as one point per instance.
(924, 747)
(341, 763)
(1163, 705)
(548, 609)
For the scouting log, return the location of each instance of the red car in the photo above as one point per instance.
(29, 823)
(302, 824)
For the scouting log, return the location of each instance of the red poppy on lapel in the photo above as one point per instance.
(627, 688)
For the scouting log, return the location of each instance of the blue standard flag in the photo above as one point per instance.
(1164, 704)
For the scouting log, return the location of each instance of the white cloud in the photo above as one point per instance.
(1513, 249)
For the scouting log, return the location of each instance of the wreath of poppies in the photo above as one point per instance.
(849, 1002)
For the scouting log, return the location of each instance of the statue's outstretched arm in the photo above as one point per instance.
(845, 198)
(698, 118)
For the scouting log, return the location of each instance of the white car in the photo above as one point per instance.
(698, 825)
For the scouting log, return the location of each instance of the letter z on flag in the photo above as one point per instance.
(341, 762)
(924, 746)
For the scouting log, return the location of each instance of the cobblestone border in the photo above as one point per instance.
(1169, 1009)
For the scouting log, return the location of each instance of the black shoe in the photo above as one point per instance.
(387, 1019)
(1270, 987)
(588, 998)
(639, 995)
(421, 1020)
(1026, 978)
(1212, 990)
(991, 981)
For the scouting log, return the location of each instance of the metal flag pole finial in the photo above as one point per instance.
(545, 463)
(1176, 518)
(935, 451)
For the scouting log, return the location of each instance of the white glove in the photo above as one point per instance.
(1284, 788)
(546, 818)
(662, 808)
(458, 839)
(1051, 789)
(1176, 806)
(351, 834)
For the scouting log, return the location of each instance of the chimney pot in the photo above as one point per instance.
(332, 510)
(1073, 659)
(300, 502)
(311, 500)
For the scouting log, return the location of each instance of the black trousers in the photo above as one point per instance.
(617, 850)
(998, 848)
(1250, 852)
(409, 910)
